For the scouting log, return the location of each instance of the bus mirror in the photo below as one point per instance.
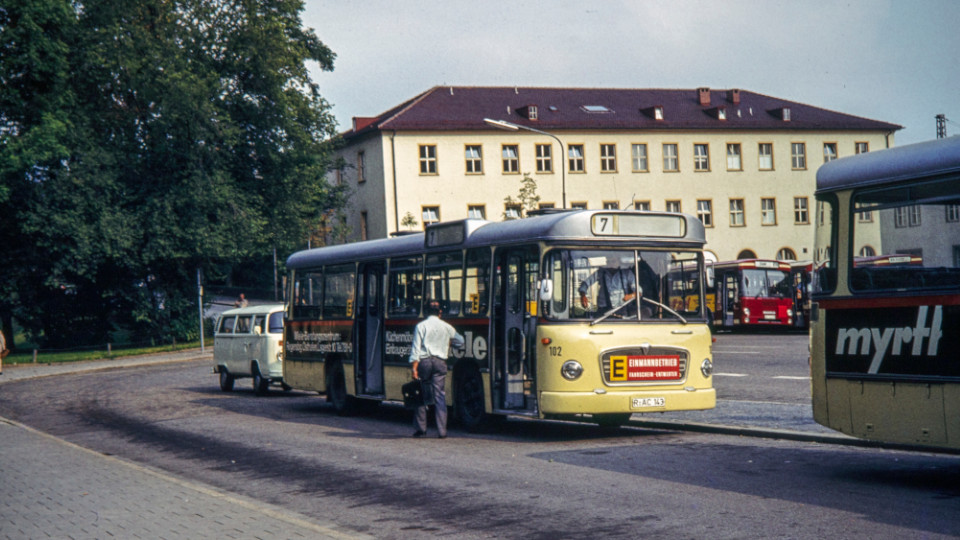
(546, 289)
(710, 279)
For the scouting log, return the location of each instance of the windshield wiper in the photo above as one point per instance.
(642, 298)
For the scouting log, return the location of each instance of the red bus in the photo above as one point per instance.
(752, 293)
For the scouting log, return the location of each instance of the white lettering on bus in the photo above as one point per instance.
(893, 339)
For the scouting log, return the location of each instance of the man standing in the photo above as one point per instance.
(428, 357)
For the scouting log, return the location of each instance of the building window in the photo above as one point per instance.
(798, 156)
(641, 205)
(673, 206)
(829, 152)
(867, 251)
(611, 205)
(363, 226)
(544, 158)
(361, 177)
(608, 158)
(533, 112)
(956, 256)
(428, 159)
(953, 213)
(474, 159)
(705, 212)
(734, 163)
(701, 157)
(906, 216)
(431, 214)
(766, 156)
(511, 159)
(786, 254)
(863, 216)
(578, 205)
(670, 160)
(575, 157)
(800, 210)
(639, 154)
(768, 211)
(861, 147)
(546, 205)
(736, 213)
(477, 211)
(512, 211)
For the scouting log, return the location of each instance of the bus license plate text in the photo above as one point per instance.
(647, 402)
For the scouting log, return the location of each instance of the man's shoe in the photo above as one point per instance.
(444, 436)
(419, 433)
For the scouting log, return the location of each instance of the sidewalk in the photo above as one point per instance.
(50, 488)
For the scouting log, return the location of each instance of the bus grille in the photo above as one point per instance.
(667, 375)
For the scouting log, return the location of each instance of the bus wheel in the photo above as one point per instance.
(337, 391)
(260, 385)
(226, 380)
(611, 419)
(469, 400)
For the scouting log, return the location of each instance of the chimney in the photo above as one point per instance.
(735, 96)
(360, 122)
(704, 96)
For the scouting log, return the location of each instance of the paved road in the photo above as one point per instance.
(50, 488)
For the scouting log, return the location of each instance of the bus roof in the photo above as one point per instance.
(572, 225)
(922, 160)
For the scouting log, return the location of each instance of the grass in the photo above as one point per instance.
(53, 357)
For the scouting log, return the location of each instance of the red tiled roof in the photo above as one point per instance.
(463, 108)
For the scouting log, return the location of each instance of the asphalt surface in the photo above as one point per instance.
(52, 488)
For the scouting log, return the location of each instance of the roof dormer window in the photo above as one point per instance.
(532, 112)
(596, 109)
(721, 113)
(658, 112)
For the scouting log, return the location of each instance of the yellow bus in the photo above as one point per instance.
(885, 351)
(545, 336)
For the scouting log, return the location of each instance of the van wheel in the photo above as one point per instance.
(468, 400)
(226, 380)
(344, 404)
(260, 384)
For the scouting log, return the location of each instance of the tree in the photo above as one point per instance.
(527, 199)
(409, 221)
(153, 139)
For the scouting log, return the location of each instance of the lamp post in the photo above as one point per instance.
(510, 126)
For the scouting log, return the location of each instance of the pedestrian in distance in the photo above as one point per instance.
(241, 302)
(4, 351)
(432, 339)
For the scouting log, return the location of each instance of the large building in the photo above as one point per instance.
(744, 163)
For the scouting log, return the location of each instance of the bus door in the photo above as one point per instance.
(514, 324)
(728, 296)
(369, 324)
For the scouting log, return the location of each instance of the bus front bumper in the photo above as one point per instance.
(603, 401)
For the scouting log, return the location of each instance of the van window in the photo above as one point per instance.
(226, 325)
(276, 323)
(243, 324)
(258, 323)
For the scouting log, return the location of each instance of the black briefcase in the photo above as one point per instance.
(413, 394)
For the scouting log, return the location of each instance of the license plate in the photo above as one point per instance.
(647, 402)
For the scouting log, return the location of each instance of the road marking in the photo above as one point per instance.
(792, 378)
(731, 375)
(737, 352)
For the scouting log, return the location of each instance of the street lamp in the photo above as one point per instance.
(510, 126)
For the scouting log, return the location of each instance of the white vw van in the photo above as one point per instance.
(248, 342)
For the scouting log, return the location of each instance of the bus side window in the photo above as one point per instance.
(477, 282)
(406, 287)
(445, 281)
(338, 297)
(307, 291)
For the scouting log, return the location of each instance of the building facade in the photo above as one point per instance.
(744, 163)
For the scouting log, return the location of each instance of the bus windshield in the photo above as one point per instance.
(759, 283)
(603, 284)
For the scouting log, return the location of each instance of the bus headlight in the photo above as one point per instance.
(571, 370)
(706, 367)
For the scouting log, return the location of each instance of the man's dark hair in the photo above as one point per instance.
(433, 308)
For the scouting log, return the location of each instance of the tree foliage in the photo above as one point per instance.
(140, 141)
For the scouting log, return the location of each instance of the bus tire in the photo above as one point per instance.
(611, 419)
(468, 399)
(226, 380)
(260, 384)
(343, 404)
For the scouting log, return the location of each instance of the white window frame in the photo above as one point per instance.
(638, 152)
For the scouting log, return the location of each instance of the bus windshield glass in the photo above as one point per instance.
(906, 238)
(760, 283)
(614, 285)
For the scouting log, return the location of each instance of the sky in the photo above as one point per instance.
(893, 61)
